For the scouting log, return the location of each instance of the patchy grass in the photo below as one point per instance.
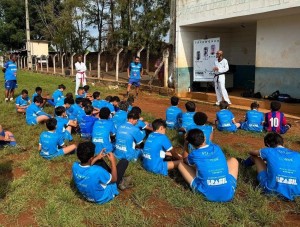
(46, 189)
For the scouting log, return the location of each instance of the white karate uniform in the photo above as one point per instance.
(80, 75)
(219, 80)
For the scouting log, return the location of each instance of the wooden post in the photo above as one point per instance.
(139, 52)
(72, 64)
(117, 64)
(99, 64)
(62, 64)
(166, 64)
(54, 69)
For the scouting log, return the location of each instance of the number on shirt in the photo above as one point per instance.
(274, 122)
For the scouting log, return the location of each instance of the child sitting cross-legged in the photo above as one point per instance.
(254, 119)
(87, 123)
(94, 179)
(22, 102)
(64, 125)
(225, 119)
(156, 147)
(34, 113)
(6, 138)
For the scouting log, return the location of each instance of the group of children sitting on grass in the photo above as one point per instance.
(114, 129)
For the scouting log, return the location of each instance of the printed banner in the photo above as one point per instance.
(204, 58)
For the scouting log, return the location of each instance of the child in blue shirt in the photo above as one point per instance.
(109, 105)
(57, 95)
(64, 125)
(278, 167)
(156, 147)
(80, 93)
(127, 138)
(187, 117)
(225, 119)
(130, 101)
(77, 110)
(97, 101)
(200, 120)
(206, 170)
(34, 113)
(22, 102)
(51, 144)
(121, 116)
(87, 123)
(115, 102)
(6, 138)
(104, 132)
(174, 114)
(38, 92)
(254, 120)
(144, 126)
(94, 179)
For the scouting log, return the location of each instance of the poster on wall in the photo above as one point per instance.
(204, 58)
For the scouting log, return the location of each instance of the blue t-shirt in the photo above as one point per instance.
(127, 137)
(225, 123)
(211, 171)
(22, 102)
(141, 125)
(61, 128)
(93, 182)
(60, 102)
(173, 117)
(187, 119)
(34, 95)
(283, 171)
(253, 121)
(206, 129)
(11, 70)
(119, 118)
(49, 142)
(77, 113)
(154, 152)
(101, 135)
(86, 125)
(135, 71)
(99, 103)
(32, 112)
(57, 95)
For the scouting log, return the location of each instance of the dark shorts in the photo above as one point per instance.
(10, 84)
(134, 82)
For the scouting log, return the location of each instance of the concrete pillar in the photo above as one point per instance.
(117, 64)
(47, 63)
(53, 59)
(139, 52)
(166, 67)
(62, 64)
(99, 64)
(72, 64)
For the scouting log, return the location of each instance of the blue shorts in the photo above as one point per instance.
(220, 193)
(60, 152)
(32, 121)
(10, 84)
(262, 178)
(231, 128)
(162, 169)
(134, 82)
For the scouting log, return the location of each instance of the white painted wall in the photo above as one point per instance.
(278, 42)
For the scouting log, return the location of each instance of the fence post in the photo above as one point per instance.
(117, 64)
(36, 63)
(84, 57)
(47, 63)
(99, 64)
(62, 64)
(139, 51)
(41, 62)
(21, 61)
(147, 60)
(54, 69)
(24, 61)
(166, 65)
(90, 69)
(72, 64)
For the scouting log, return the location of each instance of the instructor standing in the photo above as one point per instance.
(10, 77)
(220, 68)
(80, 73)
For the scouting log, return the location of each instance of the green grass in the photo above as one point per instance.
(46, 189)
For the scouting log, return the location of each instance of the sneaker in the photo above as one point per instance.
(6, 99)
(217, 104)
(11, 99)
(125, 183)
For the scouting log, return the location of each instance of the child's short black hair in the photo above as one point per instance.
(68, 95)
(275, 105)
(96, 94)
(61, 86)
(86, 102)
(157, 123)
(88, 109)
(115, 99)
(137, 110)
(254, 105)
(86, 88)
(223, 105)
(85, 151)
(190, 106)
(133, 115)
(24, 91)
(123, 105)
(51, 124)
(59, 110)
(195, 137)
(104, 113)
(69, 100)
(79, 100)
(108, 98)
(130, 100)
(38, 99)
(273, 140)
(174, 100)
(200, 118)
(38, 89)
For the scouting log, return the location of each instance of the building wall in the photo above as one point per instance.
(194, 11)
(277, 56)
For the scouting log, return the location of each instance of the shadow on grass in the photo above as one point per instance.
(6, 177)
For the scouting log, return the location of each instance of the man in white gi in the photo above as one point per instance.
(80, 73)
(221, 67)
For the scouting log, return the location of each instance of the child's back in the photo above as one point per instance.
(173, 114)
(225, 119)
(254, 121)
(187, 117)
